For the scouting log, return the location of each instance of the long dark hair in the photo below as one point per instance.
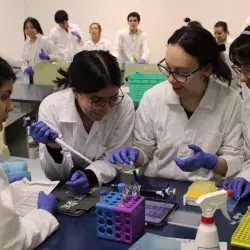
(91, 71)
(200, 43)
(34, 23)
(239, 52)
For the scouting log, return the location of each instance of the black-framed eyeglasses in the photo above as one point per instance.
(239, 70)
(113, 101)
(180, 77)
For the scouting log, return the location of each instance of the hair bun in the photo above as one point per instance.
(187, 20)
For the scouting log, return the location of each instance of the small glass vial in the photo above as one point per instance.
(102, 194)
(121, 186)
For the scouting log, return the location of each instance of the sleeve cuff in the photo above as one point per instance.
(234, 165)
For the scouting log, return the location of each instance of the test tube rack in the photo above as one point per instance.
(241, 236)
(118, 221)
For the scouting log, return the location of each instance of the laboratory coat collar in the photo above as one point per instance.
(208, 101)
(70, 27)
(68, 112)
(99, 42)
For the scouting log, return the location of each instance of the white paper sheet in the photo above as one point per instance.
(25, 194)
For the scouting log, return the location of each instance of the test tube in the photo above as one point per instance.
(121, 186)
(125, 195)
(102, 194)
(135, 193)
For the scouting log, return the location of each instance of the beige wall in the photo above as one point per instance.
(159, 18)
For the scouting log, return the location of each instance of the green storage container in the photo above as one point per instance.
(139, 82)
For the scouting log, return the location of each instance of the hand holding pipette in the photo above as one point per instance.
(42, 133)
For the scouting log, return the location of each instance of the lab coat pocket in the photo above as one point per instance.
(101, 150)
(210, 142)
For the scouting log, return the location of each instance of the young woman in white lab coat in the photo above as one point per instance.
(221, 34)
(188, 128)
(131, 44)
(28, 232)
(240, 56)
(91, 114)
(97, 42)
(37, 48)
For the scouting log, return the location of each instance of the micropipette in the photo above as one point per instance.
(134, 171)
(28, 121)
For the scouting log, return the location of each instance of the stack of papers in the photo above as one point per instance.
(25, 194)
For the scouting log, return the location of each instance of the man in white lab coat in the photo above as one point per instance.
(20, 233)
(66, 35)
(131, 43)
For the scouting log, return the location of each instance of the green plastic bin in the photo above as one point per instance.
(139, 82)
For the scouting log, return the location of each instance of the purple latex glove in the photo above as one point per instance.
(79, 182)
(16, 178)
(142, 61)
(43, 55)
(75, 33)
(29, 71)
(47, 202)
(42, 133)
(200, 159)
(124, 155)
(240, 186)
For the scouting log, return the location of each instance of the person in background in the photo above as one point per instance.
(188, 128)
(66, 35)
(240, 56)
(20, 233)
(96, 42)
(131, 44)
(221, 34)
(37, 47)
(92, 115)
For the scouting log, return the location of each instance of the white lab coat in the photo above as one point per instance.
(68, 43)
(103, 44)
(59, 112)
(228, 43)
(127, 51)
(30, 55)
(245, 125)
(21, 233)
(163, 130)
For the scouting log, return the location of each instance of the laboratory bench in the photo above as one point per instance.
(80, 233)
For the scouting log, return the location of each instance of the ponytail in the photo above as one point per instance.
(62, 82)
(222, 71)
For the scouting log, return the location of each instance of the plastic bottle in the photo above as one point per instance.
(207, 235)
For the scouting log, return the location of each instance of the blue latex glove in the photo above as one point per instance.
(29, 71)
(43, 55)
(16, 178)
(142, 61)
(200, 159)
(42, 133)
(47, 202)
(79, 182)
(240, 186)
(124, 155)
(75, 33)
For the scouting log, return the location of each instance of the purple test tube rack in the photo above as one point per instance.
(118, 221)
